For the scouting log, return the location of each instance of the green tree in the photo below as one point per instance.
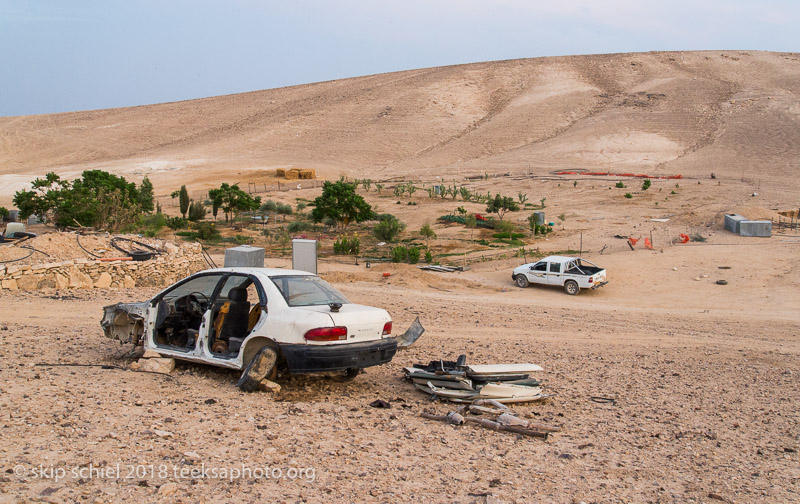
(427, 232)
(269, 206)
(183, 200)
(500, 205)
(146, 195)
(340, 202)
(3, 213)
(646, 184)
(532, 223)
(284, 210)
(471, 222)
(233, 200)
(173, 195)
(97, 199)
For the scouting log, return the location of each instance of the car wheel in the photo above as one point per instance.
(571, 287)
(348, 375)
(262, 366)
(521, 281)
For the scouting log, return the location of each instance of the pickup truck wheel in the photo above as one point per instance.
(571, 287)
(262, 366)
(348, 375)
(521, 281)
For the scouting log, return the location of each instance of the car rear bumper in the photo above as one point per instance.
(314, 358)
(598, 285)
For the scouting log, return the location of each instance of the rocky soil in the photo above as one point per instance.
(704, 403)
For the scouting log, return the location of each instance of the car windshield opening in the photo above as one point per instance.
(307, 290)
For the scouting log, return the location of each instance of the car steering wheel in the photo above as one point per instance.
(193, 305)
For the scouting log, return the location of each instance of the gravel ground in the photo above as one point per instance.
(705, 410)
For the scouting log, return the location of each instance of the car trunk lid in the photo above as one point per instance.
(363, 323)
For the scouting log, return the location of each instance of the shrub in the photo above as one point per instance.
(646, 184)
(428, 256)
(242, 239)
(413, 255)
(619, 185)
(207, 231)
(175, 223)
(427, 232)
(3, 213)
(151, 223)
(268, 206)
(297, 226)
(504, 226)
(344, 246)
(488, 224)
(507, 236)
(542, 229)
(388, 229)
(197, 211)
(399, 254)
(628, 195)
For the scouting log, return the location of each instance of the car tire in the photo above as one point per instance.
(571, 287)
(262, 366)
(521, 281)
(348, 375)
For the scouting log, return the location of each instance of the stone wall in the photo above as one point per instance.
(163, 270)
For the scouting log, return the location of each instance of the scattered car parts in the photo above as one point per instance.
(458, 382)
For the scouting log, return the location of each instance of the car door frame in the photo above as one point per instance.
(195, 354)
(537, 276)
(555, 278)
(207, 324)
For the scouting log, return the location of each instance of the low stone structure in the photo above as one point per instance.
(163, 270)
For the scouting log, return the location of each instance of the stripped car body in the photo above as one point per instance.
(226, 316)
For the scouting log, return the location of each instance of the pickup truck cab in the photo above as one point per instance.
(572, 273)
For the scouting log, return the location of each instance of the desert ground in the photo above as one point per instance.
(704, 378)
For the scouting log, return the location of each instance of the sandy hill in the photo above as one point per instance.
(734, 113)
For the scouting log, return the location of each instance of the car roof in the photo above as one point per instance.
(558, 259)
(270, 272)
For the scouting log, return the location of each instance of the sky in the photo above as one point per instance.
(67, 55)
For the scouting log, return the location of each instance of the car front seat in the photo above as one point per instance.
(236, 320)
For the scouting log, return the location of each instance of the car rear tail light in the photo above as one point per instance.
(387, 328)
(326, 334)
(591, 279)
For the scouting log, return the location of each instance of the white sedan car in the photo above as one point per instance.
(260, 320)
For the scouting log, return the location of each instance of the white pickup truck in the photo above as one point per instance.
(573, 273)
